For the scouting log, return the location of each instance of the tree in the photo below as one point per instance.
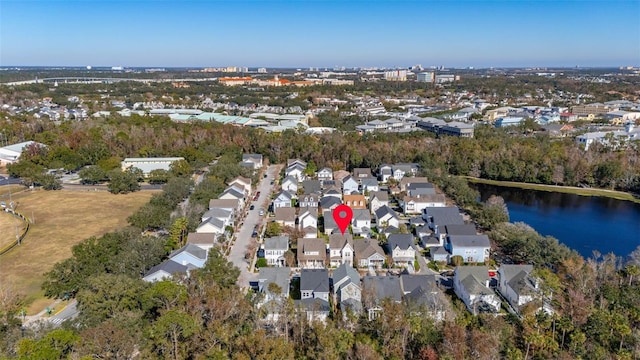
(50, 182)
(273, 229)
(123, 182)
(92, 175)
(178, 233)
(171, 332)
(57, 344)
(158, 176)
(180, 168)
(218, 270)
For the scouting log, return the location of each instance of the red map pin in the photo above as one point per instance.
(342, 214)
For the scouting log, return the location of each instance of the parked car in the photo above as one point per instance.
(261, 212)
(252, 207)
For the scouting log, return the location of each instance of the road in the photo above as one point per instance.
(9, 181)
(243, 235)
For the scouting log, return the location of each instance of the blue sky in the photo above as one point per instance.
(319, 33)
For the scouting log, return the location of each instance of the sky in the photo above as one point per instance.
(164, 33)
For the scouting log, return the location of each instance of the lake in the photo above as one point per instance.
(584, 223)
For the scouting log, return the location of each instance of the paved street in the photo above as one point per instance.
(243, 236)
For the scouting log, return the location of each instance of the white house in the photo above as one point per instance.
(347, 290)
(361, 221)
(296, 170)
(275, 248)
(283, 199)
(378, 199)
(325, 174)
(519, 287)
(471, 285)
(285, 216)
(290, 183)
(308, 217)
(349, 185)
(241, 182)
(310, 200)
(402, 250)
(416, 204)
(386, 217)
(211, 225)
(253, 161)
(341, 249)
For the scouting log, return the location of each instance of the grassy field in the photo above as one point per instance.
(60, 219)
(8, 225)
(563, 189)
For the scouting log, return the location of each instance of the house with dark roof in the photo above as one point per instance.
(472, 248)
(471, 285)
(422, 295)
(438, 217)
(402, 250)
(519, 287)
(369, 184)
(386, 217)
(311, 186)
(311, 200)
(416, 204)
(273, 283)
(347, 290)
(211, 226)
(376, 290)
(314, 283)
(165, 271)
(362, 173)
(329, 223)
(183, 260)
(406, 183)
(328, 203)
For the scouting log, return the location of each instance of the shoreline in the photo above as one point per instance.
(613, 194)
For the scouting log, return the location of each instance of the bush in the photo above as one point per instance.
(262, 262)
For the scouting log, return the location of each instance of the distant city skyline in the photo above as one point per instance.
(324, 34)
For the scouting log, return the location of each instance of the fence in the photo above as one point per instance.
(19, 239)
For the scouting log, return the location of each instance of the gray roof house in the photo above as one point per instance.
(438, 217)
(275, 248)
(290, 183)
(274, 294)
(285, 216)
(314, 283)
(369, 184)
(283, 199)
(311, 200)
(312, 253)
(385, 216)
(330, 225)
(325, 174)
(311, 186)
(347, 289)
(376, 290)
(402, 250)
(472, 248)
(165, 270)
(253, 161)
(519, 287)
(368, 254)
(328, 203)
(471, 285)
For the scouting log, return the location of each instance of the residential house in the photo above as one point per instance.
(416, 204)
(362, 173)
(242, 182)
(471, 285)
(369, 185)
(405, 182)
(347, 290)
(166, 270)
(402, 250)
(368, 254)
(273, 283)
(361, 222)
(285, 216)
(290, 184)
(378, 199)
(310, 200)
(283, 199)
(275, 248)
(232, 204)
(211, 225)
(329, 223)
(311, 186)
(296, 170)
(439, 254)
(421, 293)
(386, 217)
(298, 162)
(472, 248)
(312, 253)
(190, 255)
(417, 221)
(340, 174)
(340, 249)
(314, 294)
(253, 161)
(325, 174)
(349, 185)
(376, 290)
(308, 217)
(332, 184)
(438, 217)
(401, 170)
(332, 192)
(224, 215)
(355, 201)
(233, 193)
(385, 172)
(420, 189)
(202, 240)
(328, 203)
(519, 287)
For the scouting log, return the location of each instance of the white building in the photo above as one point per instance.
(147, 165)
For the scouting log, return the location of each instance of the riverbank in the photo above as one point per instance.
(618, 195)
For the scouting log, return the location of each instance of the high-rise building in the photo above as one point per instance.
(425, 77)
(395, 75)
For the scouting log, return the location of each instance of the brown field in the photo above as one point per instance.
(60, 219)
(8, 226)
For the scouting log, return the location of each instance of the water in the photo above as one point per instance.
(584, 223)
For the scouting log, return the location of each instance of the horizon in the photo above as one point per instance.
(322, 34)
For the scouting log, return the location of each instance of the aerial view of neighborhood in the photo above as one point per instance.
(223, 190)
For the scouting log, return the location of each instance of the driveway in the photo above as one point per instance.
(243, 235)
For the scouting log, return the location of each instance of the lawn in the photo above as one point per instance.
(60, 219)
